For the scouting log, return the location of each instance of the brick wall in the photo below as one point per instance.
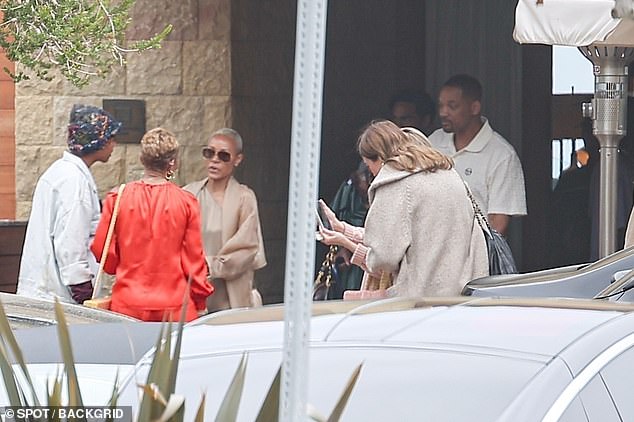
(7, 141)
(11, 240)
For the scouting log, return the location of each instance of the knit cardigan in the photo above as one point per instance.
(421, 228)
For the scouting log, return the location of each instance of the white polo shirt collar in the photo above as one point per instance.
(481, 140)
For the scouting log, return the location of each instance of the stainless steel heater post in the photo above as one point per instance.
(608, 111)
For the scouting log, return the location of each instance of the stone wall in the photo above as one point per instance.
(186, 86)
(191, 87)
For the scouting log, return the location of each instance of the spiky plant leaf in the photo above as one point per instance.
(231, 403)
(153, 393)
(164, 371)
(200, 414)
(175, 409)
(151, 408)
(314, 414)
(114, 397)
(271, 406)
(55, 394)
(6, 333)
(14, 391)
(157, 347)
(72, 383)
(179, 339)
(164, 367)
(345, 395)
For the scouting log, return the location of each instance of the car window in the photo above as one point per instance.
(597, 402)
(575, 413)
(620, 383)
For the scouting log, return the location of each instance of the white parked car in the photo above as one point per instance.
(25, 312)
(453, 359)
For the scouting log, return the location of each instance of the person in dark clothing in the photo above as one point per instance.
(413, 108)
(410, 108)
(571, 219)
(350, 204)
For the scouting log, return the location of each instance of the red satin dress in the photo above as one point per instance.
(155, 248)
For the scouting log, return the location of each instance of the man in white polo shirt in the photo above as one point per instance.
(484, 159)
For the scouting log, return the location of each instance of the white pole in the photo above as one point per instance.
(300, 232)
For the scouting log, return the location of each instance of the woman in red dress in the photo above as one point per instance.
(156, 245)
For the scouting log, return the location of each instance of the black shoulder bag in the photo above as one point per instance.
(500, 255)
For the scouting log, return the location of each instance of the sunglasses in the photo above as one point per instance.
(210, 153)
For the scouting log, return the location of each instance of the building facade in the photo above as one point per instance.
(230, 63)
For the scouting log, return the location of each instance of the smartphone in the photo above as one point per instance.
(322, 219)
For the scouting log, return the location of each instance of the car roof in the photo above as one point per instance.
(26, 312)
(107, 343)
(494, 354)
(539, 327)
(441, 359)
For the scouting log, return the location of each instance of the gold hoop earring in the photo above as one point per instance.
(170, 174)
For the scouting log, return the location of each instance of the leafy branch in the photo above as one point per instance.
(80, 38)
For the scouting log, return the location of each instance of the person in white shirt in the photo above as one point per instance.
(56, 258)
(484, 159)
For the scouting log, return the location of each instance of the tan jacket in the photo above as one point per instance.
(242, 250)
(421, 227)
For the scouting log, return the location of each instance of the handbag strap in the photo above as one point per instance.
(479, 215)
(106, 246)
(325, 270)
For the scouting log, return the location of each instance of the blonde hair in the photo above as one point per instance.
(158, 147)
(231, 134)
(404, 149)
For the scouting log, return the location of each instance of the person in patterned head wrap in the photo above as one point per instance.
(89, 129)
(56, 257)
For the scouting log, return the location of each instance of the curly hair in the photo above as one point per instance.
(158, 147)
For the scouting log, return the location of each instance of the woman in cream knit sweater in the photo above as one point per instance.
(420, 226)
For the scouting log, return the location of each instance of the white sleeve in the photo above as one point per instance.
(507, 194)
(71, 235)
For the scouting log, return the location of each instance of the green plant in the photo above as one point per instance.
(80, 38)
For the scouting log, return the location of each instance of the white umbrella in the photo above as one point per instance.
(608, 43)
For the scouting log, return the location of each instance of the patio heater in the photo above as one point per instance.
(608, 43)
(608, 111)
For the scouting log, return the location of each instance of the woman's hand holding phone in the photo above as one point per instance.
(331, 237)
(322, 220)
(327, 215)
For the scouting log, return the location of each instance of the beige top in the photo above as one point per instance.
(211, 215)
(211, 221)
(241, 250)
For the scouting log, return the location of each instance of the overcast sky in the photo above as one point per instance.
(571, 69)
